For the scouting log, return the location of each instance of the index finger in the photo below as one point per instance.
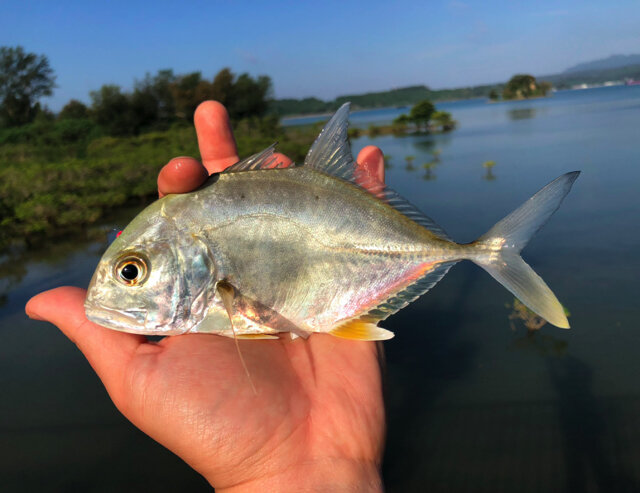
(215, 137)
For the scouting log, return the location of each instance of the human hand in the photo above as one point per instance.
(317, 421)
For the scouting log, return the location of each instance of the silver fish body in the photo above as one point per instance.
(312, 248)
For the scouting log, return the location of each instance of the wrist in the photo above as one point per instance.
(336, 475)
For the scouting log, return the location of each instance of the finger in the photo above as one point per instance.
(180, 175)
(215, 137)
(281, 159)
(372, 160)
(108, 351)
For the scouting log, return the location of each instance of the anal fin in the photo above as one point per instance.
(361, 330)
(256, 336)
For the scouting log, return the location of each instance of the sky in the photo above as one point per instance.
(311, 48)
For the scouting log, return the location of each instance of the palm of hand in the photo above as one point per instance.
(318, 400)
(318, 408)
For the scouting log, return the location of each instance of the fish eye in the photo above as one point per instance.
(131, 270)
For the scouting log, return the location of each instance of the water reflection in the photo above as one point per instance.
(488, 166)
(429, 143)
(420, 373)
(16, 262)
(584, 424)
(539, 343)
(409, 166)
(522, 113)
(429, 175)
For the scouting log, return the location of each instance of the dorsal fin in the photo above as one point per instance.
(261, 160)
(331, 154)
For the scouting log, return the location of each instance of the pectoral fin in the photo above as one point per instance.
(361, 331)
(227, 294)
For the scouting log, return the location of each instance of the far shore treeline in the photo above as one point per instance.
(60, 173)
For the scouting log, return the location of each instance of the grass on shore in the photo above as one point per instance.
(57, 177)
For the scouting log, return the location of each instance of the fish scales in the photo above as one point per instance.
(316, 250)
(320, 247)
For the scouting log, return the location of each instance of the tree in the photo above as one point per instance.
(249, 97)
(112, 110)
(153, 96)
(24, 78)
(523, 86)
(493, 95)
(222, 87)
(443, 120)
(73, 109)
(188, 92)
(421, 113)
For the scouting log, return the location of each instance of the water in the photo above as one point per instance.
(473, 403)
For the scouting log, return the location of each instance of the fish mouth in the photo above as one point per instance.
(132, 321)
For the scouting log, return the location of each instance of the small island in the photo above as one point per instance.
(522, 86)
(424, 115)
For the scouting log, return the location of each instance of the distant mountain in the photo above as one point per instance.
(614, 68)
(566, 80)
(612, 62)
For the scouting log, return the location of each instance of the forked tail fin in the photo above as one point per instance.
(498, 251)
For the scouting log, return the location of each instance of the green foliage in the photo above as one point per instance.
(493, 95)
(112, 110)
(188, 92)
(409, 166)
(373, 131)
(529, 318)
(421, 113)
(56, 176)
(73, 109)
(443, 120)
(244, 96)
(155, 92)
(405, 96)
(306, 106)
(488, 165)
(222, 86)
(523, 86)
(158, 102)
(24, 78)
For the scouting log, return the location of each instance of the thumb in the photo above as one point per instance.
(109, 352)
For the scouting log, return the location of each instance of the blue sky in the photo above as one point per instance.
(322, 49)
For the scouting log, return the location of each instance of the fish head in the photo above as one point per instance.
(153, 280)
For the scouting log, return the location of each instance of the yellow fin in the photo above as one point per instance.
(361, 331)
(256, 336)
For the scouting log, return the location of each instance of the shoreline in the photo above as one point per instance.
(354, 111)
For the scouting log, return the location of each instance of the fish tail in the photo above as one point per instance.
(498, 251)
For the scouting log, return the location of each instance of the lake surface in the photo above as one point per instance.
(475, 402)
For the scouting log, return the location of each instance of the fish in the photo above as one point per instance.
(261, 250)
